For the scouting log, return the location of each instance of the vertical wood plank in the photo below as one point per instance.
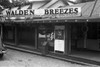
(1, 32)
(16, 35)
(67, 39)
(36, 37)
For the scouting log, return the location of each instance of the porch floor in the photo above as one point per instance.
(86, 54)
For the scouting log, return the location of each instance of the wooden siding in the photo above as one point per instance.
(57, 4)
(37, 5)
(96, 12)
(86, 8)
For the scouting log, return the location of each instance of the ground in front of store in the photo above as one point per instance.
(14, 58)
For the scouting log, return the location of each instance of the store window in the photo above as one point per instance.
(77, 35)
(92, 31)
(9, 34)
(26, 35)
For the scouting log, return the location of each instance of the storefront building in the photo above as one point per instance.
(53, 28)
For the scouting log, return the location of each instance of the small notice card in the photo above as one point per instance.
(59, 45)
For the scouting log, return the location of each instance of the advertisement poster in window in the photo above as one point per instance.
(59, 38)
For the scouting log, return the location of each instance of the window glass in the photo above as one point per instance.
(9, 33)
(26, 35)
(92, 31)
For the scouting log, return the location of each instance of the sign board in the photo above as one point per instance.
(45, 13)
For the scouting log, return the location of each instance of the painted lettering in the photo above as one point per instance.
(20, 12)
(31, 12)
(46, 12)
(51, 11)
(56, 11)
(71, 11)
(12, 13)
(76, 10)
(8, 12)
(25, 12)
(66, 11)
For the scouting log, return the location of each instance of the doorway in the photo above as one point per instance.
(46, 37)
(54, 35)
(78, 36)
(93, 36)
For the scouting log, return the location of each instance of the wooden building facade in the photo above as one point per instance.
(54, 35)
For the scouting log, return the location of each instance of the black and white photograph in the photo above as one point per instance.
(49, 33)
